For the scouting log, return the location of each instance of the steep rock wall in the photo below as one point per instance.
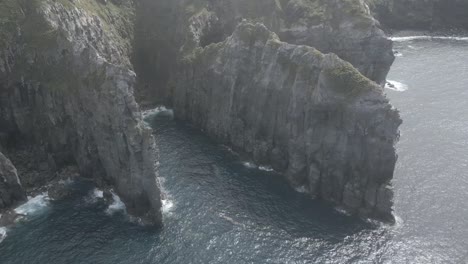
(168, 29)
(66, 84)
(311, 116)
(11, 191)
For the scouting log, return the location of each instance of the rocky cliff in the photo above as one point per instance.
(422, 14)
(312, 117)
(168, 29)
(11, 191)
(66, 85)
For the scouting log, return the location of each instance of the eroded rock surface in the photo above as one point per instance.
(66, 84)
(311, 116)
(168, 29)
(11, 191)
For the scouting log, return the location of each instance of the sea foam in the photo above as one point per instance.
(422, 37)
(396, 86)
(251, 165)
(94, 196)
(3, 233)
(116, 206)
(160, 110)
(34, 205)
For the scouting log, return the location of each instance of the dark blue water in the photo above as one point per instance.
(221, 211)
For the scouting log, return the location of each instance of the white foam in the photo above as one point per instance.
(398, 54)
(94, 195)
(398, 221)
(34, 205)
(252, 165)
(3, 233)
(265, 168)
(116, 206)
(249, 165)
(396, 86)
(167, 206)
(422, 37)
(156, 111)
(301, 189)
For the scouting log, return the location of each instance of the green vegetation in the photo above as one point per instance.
(24, 26)
(346, 79)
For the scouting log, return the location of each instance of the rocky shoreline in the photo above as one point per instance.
(294, 84)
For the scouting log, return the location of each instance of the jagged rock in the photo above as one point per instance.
(168, 29)
(66, 83)
(312, 117)
(11, 191)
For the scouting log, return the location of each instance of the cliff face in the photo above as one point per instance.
(11, 191)
(168, 29)
(66, 84)
(422, 14)
(311, 116)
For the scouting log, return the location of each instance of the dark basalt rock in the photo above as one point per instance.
(11, 191)
(167, 29)
(312, 117)
(66, 85)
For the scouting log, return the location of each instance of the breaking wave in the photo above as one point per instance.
(422, 37)
(3, 233)
(158, 111)
(167, 206)
(251, 165)
(396, 86)
(116, 206)
(94, 195)
(34, 205)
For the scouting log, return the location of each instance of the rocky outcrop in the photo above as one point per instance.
(11, 191)
(312, 117)
(422, 14)
(168, 29)
(66, 84)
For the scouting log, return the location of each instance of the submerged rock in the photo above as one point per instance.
(311, 116)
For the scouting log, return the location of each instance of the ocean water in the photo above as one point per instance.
(220, 208)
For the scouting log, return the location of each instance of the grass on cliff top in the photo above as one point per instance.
(348, 80)
(22, 14)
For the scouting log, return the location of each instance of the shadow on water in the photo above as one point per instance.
(248, 197)
(224, 212)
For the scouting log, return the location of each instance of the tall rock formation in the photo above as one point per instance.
(311, 116)
(11, 191)
(66, 84)
(167, 29)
